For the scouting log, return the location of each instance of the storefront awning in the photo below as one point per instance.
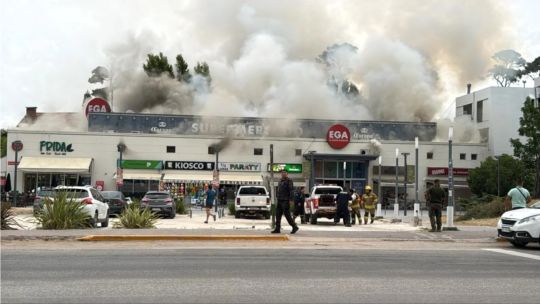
(188, 177)
(55, 164)
(144, 175)
(239, 178)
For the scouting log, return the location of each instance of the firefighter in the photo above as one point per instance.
(355, 208)
(369, 201)
(342, 208)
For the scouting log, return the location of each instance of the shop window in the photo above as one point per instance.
(474, 156)
(298, 152)
(359, 170)
(467, 109)
(171, 149)
(44, 180)
(154, 185)
(258, 151)
(330, 169)
(429, 155)
(30, 181)
(319, 168)
(462, 156)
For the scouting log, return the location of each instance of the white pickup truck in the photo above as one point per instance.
(252, 200)
(321, 203)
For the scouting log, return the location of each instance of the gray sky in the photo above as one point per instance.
(48, 48)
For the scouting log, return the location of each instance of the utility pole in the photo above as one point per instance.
(379, 201)
(450, 208)
(405, 154)
(416, 202)
(272, 188)
(396, 200)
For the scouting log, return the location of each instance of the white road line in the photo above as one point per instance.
(515, 253)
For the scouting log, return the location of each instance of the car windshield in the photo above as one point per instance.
(252, 191)
(111, 194)
(328, 190)
(157, 195)
(73, 193)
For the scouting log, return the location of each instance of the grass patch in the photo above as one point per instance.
(133, 217)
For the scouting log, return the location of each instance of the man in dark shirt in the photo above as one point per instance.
(435, 197)
(299, 199)
(285, 195)
(342, 208)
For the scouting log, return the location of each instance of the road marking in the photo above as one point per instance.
(515, 253)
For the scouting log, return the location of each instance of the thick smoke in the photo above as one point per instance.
(406, 60)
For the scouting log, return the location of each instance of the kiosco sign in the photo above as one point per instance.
(97, 105)
(338, 136)
(189, 165)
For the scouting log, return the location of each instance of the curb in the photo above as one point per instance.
(183, 238)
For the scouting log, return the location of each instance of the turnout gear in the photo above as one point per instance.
(369, 201)
(355, 209)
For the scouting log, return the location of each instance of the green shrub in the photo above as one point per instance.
(180, 207)
(480, 210)
(134, 218)
(63, 213)
(232, 208)
(7, 217)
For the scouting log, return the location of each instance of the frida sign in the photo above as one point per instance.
(56, 147)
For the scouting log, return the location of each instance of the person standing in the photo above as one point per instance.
(210, 198)
(518, 197)
(355, 208)
(369, 202)
(285, 195)
(299, 199)
(435, 198)
(342, 208)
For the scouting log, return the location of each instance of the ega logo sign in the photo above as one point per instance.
(97, 105)
(338, 136)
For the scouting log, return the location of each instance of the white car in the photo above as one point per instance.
(93, 203)
(521, 226)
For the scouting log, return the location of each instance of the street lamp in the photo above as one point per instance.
(416, 202)
(379, 205)
(396, 202)
(450, 208)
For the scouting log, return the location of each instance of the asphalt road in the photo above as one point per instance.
(143, 274)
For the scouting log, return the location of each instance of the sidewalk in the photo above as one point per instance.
(228, 225)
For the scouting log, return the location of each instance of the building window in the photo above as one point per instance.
(211, 150)
(429, 155)
(171, 149)
(467, 109)
(474, 156)
(298, 152)
(480, 111)
(258, 151)
(462, 156)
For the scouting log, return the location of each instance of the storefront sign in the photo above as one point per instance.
(17, 145)
(443, 171)
(12, 163)
(189, 165)
(97, 105)
(240, 167)
(290, 168)
(338, 136)
(257, 127)
(100, 185)
(55, 147)
(142, 164)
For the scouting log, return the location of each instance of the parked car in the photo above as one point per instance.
(39, 199)
(521, 226)
(93, 203)
(321, 203)
(252, 200)
(129, 201)
(159, 203)
(116, 200)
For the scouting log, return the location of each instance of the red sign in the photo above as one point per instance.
(100, 185)
(2, 181)
(97, 105)
(338, 136)
(443, 171)
(12, 163)
(17, 145)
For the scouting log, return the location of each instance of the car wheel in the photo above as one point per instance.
(267, 215)
(237, 215)
(313, 219)
(94, 221)
(105, 223)
(519, 244)
(172, 215)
